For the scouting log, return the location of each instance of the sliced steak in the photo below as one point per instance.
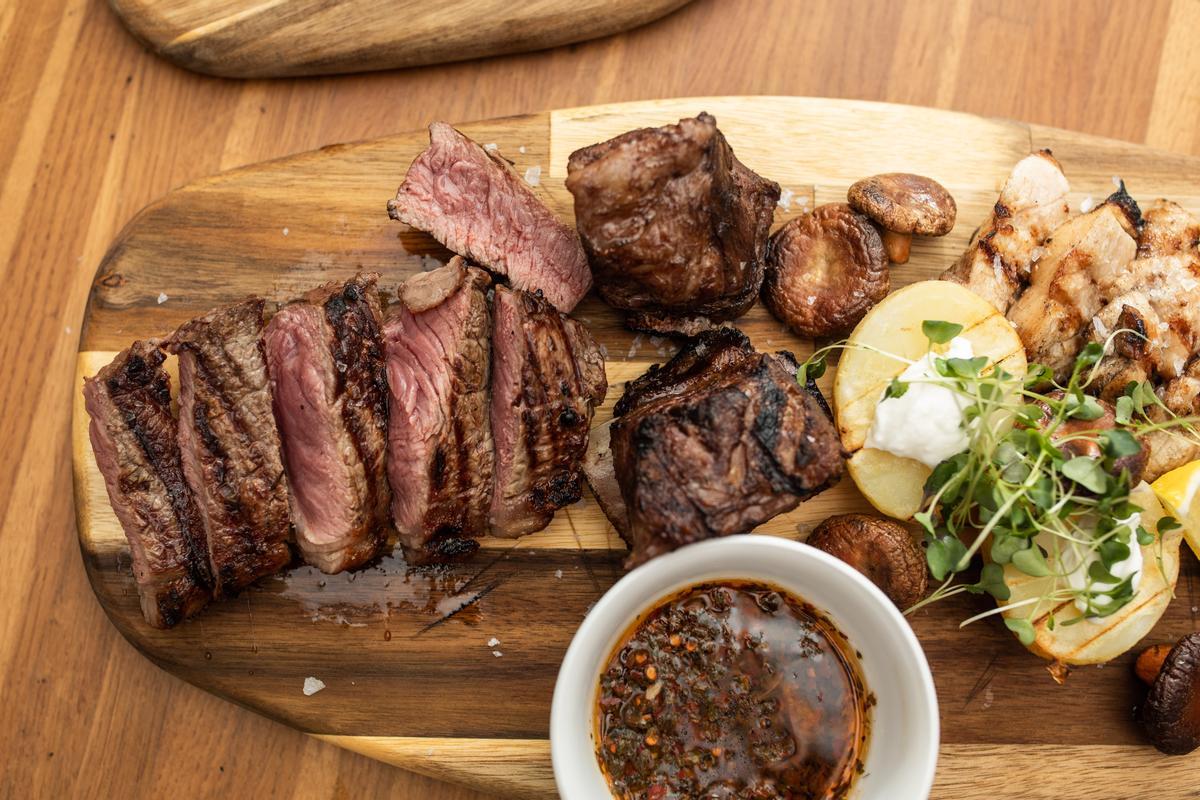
(470, 200)
(733, 443)
(548, 378)
(133, 437)
(674, 225)
(229, 444)
(439, 437)
(329, 388)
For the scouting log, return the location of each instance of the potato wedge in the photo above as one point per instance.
(1095, 641)
(893, 484)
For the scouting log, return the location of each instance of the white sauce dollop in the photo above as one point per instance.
(1076, 564)
(926, 422)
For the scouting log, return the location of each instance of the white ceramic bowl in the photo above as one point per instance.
(903, 747)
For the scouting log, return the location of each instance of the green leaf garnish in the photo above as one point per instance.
(939, 332)
(895, 389)
(1031, 562)
(1022, 628)
(1087, 472)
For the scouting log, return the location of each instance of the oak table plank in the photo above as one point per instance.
(93, 127)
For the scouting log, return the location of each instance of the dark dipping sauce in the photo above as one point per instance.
(732, 690)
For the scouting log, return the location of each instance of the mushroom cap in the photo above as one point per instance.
(905, 203)
(825, 270)
(1171, 714)
(880, 548)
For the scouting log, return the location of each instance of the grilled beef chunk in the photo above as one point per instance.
(548, 378)
(439, 438)
(325, 360)
(133, 437)
(229, 445)
(674, 225)
(716, 442)
(470, 200)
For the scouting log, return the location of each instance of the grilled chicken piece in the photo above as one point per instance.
(1054, 314)
(1169, 230)
(1135, 323)
(1169, 448)
(133, 437)
(1032, 204)
(325, 359)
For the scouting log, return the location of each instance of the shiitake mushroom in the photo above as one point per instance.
(825, 271)
(903, 204)
(880, 548)
(1170, 716)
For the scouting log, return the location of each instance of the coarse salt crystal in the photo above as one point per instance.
(998, 268)
(312, 686)
(1086, 204)
(491, 146)
(785, 199)
(162, 298)
(533, 175)
(492, 642)
(286, 231)
(1117, 181)
(633, 348)
(1100, 327)
(558, 574)
(497, 653)
(521, 149)
(1035, 255)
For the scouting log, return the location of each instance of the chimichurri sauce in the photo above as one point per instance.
(732, 690)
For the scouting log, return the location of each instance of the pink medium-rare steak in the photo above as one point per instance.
(133, 437)
(674, 225)
(471, 201)
(329, 388)
(548, 376)
(439, 440)
(229, 444)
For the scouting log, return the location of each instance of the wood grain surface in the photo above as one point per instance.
(276, 38)
(94, 127)
(407, 655)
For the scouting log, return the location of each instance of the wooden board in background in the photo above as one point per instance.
(275, 38)
(411, 683)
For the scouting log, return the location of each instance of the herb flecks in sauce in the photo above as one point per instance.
(732, 690)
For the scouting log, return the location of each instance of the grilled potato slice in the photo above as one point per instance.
(1095, 641)
(892, 484)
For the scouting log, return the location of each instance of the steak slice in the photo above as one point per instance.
(329, 389)
(133, 437)
(548, 377)
(470, 200)
(229, 444)
(439, 437)
(674, 225)
(728, 445)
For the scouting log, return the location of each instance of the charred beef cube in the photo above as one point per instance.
(741, 442)
(229, 444)
(470, 200)
(548, 378)
(439, 438)
(674, 225)
(133, 437)
(329, 389)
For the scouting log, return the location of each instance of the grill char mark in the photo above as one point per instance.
(132, 433)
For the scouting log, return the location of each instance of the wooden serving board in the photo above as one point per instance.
(410, 675)
(275, 38)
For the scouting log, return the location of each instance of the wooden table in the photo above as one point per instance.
(92, 127)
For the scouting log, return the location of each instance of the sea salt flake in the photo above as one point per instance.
(162, 298)
(1086, 204)
(492, 642)
(633, 348)
(491, 146)
(312, 686)
(286, 231)
(785, 199)
(1101, 329)
(533, 175)
(497, 653)
(1117, 181)
(558, 574)
(521, 149)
